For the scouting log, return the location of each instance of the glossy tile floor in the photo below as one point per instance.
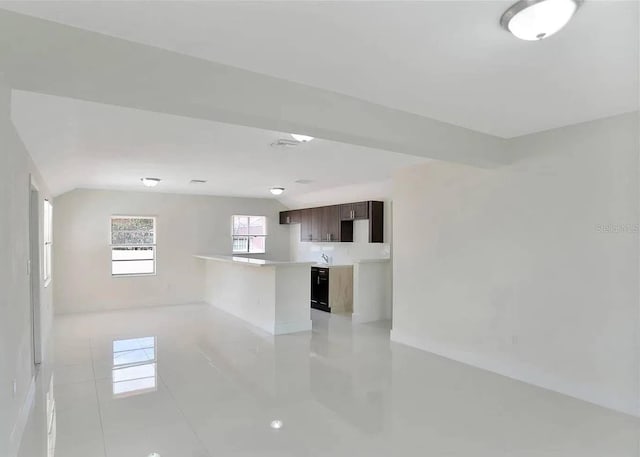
(191, 381)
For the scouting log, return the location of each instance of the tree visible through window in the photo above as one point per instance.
(249, 234)
(133, 245)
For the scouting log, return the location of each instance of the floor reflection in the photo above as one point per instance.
(51, 420)
(339, 391)
(134, 366)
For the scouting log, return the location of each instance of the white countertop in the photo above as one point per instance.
(331, 265)
(372, 261)
(344, 265)
(240, 260)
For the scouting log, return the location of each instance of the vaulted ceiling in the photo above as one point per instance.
(446, 60)
(107, 92)
(83, 144)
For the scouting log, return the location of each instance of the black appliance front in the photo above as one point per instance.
(320, 289)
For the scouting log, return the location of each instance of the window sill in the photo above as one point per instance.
(136, 275)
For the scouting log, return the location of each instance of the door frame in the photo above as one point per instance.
(34, 270)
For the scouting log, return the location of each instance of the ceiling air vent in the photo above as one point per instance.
(197, 181)
(284, 143)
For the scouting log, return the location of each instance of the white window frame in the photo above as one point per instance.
(235, 236)
(47, 237)
(152, 245)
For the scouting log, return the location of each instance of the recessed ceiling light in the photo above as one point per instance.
(150, 182)
(276, 190)
(533, 20)
(301, 138)
(276, 424)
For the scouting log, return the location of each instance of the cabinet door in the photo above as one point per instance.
(376, 222)
(305, 225)
(294, 216)
(361, 210)
(346, 212)
(290, 217)
(317, 222)
(332, 223)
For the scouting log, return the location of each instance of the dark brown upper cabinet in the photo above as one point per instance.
(331, 223)
(354, 211)
(305, 225)
(376, 222)
(335, 223)
(317, 222)
(290, 217)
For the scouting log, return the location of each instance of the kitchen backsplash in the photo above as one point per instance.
(339, 253)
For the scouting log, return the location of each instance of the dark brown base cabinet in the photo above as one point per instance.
(335, 223)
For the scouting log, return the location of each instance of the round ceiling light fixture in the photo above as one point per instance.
(150, 182)
(301, 138)
(277, 190)
(534, 20)
(276, 424)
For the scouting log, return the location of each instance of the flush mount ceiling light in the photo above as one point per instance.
(277, 190)
(301, 138)
(150, 182)
(534, 20)
(276, 424)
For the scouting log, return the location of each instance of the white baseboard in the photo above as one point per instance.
(15, 439)
(523, 373)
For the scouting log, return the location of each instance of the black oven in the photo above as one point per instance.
(320, 288)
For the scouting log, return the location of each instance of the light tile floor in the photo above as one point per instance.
(208, 385)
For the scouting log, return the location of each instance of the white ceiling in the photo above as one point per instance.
(78, 144)
(448, 60)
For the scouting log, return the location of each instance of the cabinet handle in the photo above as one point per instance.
(288, 220)
(318, 280)
(353, 214)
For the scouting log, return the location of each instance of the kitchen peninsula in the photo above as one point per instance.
(271, 295)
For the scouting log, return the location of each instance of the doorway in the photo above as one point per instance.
(34, 273)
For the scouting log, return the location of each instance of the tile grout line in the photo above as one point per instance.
(95, 385)
(184, 416)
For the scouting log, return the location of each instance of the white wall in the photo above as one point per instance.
(186, 225)
(517, 269)
(16, 168)
(372, 291)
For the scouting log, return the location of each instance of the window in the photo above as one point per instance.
(249, 234)
(133, 245)
(48, 241)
